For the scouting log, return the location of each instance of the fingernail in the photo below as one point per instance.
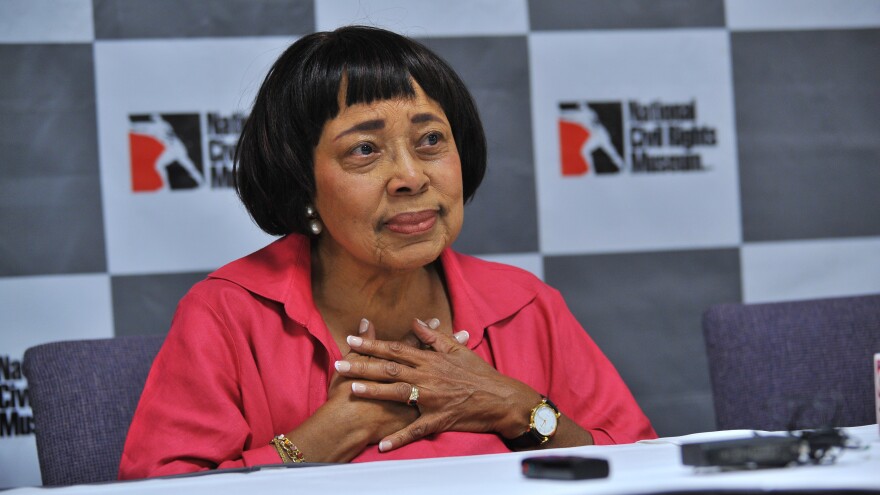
(364, 326)
(342, 366)
(462, 336)
(433, 323)
(358, 387)
(420, 322)
(384, 445)
(354, 341)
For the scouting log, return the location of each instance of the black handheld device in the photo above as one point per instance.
(771, 451)
(566, 467)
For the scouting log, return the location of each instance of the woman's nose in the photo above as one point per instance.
(408, 176)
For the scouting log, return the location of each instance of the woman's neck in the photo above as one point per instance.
(346, 290)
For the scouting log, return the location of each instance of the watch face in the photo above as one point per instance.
(545, 420)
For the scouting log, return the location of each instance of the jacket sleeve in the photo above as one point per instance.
(585, 385)
(189, 417)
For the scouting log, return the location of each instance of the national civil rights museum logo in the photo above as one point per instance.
(618, 137)
(167, 150)
(16, 416)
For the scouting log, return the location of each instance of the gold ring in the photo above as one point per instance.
(413, 397)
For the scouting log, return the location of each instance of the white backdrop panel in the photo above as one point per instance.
(46, 21)
(174, 230)
(783, 271)
(531, 262)
(629, 210)
(744, 15)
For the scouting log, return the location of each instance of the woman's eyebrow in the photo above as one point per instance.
(425, 117)
(376, 124)
(368, 125)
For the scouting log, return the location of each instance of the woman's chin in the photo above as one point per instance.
(413, 255)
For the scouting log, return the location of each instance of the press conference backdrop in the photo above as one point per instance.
(647, 157)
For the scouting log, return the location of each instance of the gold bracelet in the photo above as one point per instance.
(281, 453)
(287, 450)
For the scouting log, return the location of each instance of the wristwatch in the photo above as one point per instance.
(542, 426)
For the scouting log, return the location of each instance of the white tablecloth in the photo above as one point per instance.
(645, 467)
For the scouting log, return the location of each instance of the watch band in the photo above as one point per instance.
(531, 438)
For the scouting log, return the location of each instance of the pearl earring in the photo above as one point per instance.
(314, 224)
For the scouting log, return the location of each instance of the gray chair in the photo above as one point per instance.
(83, 394)
(793, 365)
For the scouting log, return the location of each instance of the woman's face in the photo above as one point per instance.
(388, 179)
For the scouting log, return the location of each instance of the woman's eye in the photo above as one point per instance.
(432, 139)
(363, 149)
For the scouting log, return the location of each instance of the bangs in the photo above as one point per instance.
(376, 76)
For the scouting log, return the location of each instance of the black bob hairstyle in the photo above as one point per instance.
(274, 160)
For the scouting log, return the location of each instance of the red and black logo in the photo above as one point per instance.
(166, 152)
(591, 138)
(633, 137)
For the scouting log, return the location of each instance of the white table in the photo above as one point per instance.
(653, 466)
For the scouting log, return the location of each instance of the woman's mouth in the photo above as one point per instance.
(412, 223)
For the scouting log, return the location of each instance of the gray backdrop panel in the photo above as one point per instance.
(806, 109)
(622, 14)
(51, 220)
(198, 18)
(145, 304)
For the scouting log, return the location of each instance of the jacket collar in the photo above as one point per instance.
(279, 272)
(484, 293)
(481, 293)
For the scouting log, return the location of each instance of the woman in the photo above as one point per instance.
(344, 340)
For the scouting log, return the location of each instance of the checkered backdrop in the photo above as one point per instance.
(648, 158)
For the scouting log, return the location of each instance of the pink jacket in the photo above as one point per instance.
(248, 356)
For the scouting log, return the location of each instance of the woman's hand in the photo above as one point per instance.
(377, 419)
(344, 425)
(457, 389)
